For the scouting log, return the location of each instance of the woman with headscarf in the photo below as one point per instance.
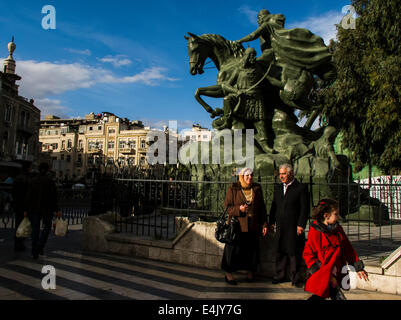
(244, 200)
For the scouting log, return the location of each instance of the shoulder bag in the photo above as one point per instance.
(227, 230)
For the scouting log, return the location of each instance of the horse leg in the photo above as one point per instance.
(214, 92)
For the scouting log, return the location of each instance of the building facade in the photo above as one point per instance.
(80, 148)
(19, 118)
(197, 134)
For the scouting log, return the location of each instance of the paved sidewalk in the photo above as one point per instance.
(96, 276)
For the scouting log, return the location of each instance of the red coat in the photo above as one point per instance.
(323, 251)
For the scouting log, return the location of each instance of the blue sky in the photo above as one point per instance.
(130, 57)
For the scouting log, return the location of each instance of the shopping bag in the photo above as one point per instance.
(61, 227)
(24, 229)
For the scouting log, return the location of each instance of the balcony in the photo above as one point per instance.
(127, 150)
(94, 150)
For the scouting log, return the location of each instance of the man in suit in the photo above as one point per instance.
(288, 215)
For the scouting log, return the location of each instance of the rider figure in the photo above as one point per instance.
(295, 83)
(244, 99)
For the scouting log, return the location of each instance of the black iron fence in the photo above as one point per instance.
(75, 205)
(370, 212)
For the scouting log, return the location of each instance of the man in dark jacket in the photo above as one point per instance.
(289, 213)
(41, 203)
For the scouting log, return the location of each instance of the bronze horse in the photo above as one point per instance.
(226, 56)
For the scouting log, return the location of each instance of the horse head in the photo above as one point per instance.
(213, 46)
(197, 52)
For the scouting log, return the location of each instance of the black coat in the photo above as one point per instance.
(41, 197)
(288, 212)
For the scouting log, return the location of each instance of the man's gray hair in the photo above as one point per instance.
(287, 166)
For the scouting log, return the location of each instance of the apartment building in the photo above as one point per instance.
(198, 134)
(19, 118)
(80, 148)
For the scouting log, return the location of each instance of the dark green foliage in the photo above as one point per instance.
(365, 101)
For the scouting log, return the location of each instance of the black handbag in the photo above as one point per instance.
(227, 233)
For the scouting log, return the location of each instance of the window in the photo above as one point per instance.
(110, 144)
(69, 143)
(22, 119)
(99, 128)
(7, 115)
(90, 128)
(80, 144)
(143, 144)
(112, 130)
(68, 158)
(122, 144)
(62, 157)
(132, 144)
(121, 161)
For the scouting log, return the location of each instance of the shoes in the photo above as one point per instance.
(35, 255)
(232, 282)
(40, 251)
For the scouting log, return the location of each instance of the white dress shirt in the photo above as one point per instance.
(287, 185)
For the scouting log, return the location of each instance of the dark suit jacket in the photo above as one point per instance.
(288, 212)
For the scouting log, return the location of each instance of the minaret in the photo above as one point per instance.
(9, 63)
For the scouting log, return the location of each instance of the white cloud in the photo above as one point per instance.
(251, 14)
(117, 61)
(52, 107)
(44, 79)
(149, 77)
(85, 52)
(323, 25)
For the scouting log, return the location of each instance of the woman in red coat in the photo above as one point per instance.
(327, 253)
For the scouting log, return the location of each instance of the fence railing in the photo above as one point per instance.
(149, 207)
(75, 205)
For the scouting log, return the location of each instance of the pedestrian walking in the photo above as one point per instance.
(244, 200)
(327, 253)
(19, 192)
(288, 216)
(40, 205)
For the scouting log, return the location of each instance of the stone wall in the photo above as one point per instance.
(195, 245)
(383, 278)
